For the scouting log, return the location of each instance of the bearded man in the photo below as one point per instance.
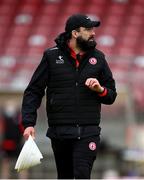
(77, 80)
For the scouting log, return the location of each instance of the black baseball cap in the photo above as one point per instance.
(79, 20)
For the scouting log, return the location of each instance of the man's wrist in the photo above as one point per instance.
(103, 93)
(101, 90)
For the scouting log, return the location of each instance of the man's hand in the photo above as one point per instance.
(29, 131)
(94, 85)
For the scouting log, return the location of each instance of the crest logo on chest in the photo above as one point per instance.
(93, 61)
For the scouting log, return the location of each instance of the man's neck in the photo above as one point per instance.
(72, 44)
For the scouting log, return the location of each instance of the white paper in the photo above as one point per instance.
(29, 156)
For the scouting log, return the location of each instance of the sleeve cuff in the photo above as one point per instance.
(104, 93)
(27, 125)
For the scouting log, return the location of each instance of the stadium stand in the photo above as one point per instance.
(29, 27)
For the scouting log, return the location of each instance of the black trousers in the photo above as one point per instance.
(75, 157)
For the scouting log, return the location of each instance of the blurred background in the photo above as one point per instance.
(27, 28)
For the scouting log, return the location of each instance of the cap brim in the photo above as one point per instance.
(96, 23)
(93, 24)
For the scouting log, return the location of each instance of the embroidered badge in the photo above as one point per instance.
(93, 61)
(92, 146)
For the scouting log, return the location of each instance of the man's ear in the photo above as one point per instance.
(75, 33)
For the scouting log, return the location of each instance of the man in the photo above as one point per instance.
(77, 80)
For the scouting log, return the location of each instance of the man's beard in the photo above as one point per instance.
(86, 45)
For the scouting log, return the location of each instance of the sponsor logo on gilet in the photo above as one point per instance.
(60, 60)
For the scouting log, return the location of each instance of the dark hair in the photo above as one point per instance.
(68, 35)
(62, 38)
(77, 29)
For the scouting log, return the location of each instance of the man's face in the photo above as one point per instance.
(85, 40)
